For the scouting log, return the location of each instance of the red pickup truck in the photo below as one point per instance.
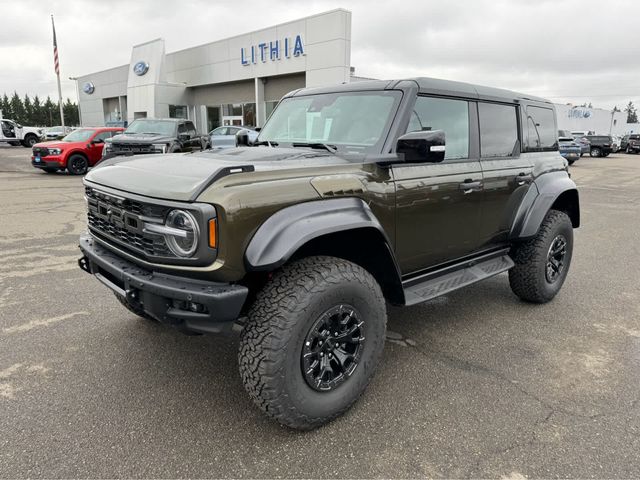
(76, 152)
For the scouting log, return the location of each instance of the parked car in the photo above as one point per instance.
(631, 143)
(155, 135)
(15, 134)
(384, 192)
(76, 152)
(57, 133)
(615, 143)
(585, 144)
(225, 136)
(569, 148)
(600, 145)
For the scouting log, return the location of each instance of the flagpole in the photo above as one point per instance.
(57, 67)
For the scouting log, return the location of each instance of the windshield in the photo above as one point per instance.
(80, 135)
(157, 127)
(353, 122)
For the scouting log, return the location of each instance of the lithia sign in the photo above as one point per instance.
(274, 50)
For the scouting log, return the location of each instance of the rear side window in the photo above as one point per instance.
(541, 129)
(452, 116)
(498, 130)
(102, 136)
(191, 129)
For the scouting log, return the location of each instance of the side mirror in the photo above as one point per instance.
(183, 137)
(97, 141)
(422, 146)
(242, 139)
(257, 129)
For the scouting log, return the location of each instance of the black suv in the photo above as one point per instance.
(352, 197)
(155, 135)
(601, 145)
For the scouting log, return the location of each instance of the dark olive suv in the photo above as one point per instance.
(353, 197)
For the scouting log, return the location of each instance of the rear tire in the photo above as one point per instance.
(542, 263)
(290, 364)
(77, 164)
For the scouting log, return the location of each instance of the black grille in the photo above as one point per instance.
(42, 151)
(120, 221)
(132, 147)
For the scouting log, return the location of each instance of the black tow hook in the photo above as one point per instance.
(83, 263)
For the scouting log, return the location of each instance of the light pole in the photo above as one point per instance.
(78, 97)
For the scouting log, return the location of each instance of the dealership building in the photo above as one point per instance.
(233, 81)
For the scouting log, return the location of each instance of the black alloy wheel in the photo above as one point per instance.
(556, 258)
(332, 348)
(77, 165)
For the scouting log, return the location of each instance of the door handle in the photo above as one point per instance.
(469, 186)
(523, 178)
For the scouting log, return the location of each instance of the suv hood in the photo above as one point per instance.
(183, 177)
(57, 144)
(141, 138)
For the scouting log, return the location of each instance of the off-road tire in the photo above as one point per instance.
(528, 278)
(278, 323)
(595, 152)
(29, 141)
(139, 311)
(77, 164)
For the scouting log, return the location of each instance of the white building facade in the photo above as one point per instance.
(235, 81)
(597, 121)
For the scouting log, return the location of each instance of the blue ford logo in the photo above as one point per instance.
(141, 68)
(88, 88)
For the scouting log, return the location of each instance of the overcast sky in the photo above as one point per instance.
(566, 50)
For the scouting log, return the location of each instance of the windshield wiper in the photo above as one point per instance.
(330, 148)
(265, 142)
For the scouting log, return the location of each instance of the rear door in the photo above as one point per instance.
(507, 174)
(438, 205)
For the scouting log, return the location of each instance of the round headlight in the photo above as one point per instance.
(182, 244)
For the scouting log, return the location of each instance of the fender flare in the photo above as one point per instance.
(543, 193)
(282, 234)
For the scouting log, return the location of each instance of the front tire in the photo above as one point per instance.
(595, 152)
(542, 263)
(29, 141)
(77, 164)
(314, 337)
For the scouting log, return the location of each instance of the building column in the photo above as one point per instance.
(261, 106)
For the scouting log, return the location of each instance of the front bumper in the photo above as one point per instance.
(187, 304)
(50, 161)
(572, 155)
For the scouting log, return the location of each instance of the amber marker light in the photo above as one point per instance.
(212, 233)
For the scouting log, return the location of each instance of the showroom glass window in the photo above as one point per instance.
(498, 130)
(541, 129)
(177, 111)
(451, 116)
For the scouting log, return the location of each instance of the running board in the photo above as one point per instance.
(441, 283)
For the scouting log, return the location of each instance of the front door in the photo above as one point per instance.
(439, 205)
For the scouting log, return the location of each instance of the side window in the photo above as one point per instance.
(541, 129)
(102, 136)
(191, 129)
(498, 130)
(220, 131)
(452, 116)
(182, 128)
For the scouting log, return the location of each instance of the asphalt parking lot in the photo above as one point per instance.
(474, 384)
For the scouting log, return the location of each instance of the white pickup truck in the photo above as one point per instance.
(15, 134)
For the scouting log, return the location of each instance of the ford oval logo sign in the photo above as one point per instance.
(141, 68)
(88, 88)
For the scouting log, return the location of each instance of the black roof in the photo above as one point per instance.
(432, 86)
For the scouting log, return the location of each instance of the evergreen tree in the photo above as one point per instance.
(632, 114)
(71, 116)
(37, 118)
(48, 112)
(5, 106)
(17, 108)
(28, 111)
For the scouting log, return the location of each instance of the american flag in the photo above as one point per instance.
(56, 62)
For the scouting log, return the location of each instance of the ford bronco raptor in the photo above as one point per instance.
(352, 197)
